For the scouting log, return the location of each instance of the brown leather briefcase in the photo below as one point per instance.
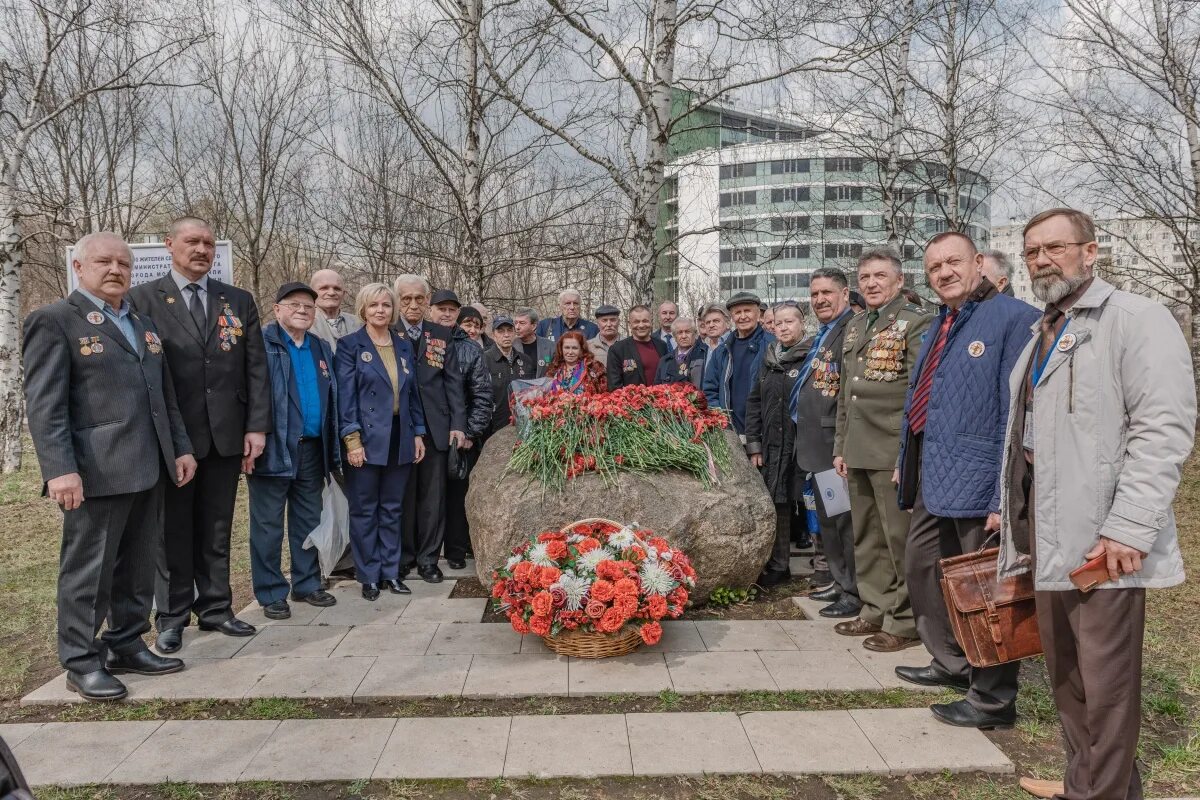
(993, 620)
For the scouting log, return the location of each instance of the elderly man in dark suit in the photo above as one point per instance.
(633, 361)
(108, 435)
(444, 400)
(214, 346)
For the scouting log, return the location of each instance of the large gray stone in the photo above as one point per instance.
(727, 529)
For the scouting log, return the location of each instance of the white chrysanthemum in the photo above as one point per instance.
(665, 555)
(622, 539)
(572, 538)
(655, 579)
(592, 559)
(651, 552)
(512, 563)
(576, 589)
(537, 554)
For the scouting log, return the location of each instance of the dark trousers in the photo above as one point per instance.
(193, 569)
(781, 551)
(301, 497)
(425, 512)
(106, 571)
(1093, 645)
(931, 538)
(837, 545)
(376, 497)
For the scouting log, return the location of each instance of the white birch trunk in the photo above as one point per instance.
(472, 176)
(895, 129)
(12, 401)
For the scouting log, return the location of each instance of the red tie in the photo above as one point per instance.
(920, 402)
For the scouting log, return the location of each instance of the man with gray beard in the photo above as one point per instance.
(1103, 415)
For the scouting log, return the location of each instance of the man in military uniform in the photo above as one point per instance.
(880, 349)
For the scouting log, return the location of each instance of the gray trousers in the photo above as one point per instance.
(106, 571)
(931, 538)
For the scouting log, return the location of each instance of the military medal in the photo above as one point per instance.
(95, 317)
(792, 373)
(153, 343)
(403, 364)
(85, 346)
(170, 301)
(975, 349)
(1066, 342)
(97, 347)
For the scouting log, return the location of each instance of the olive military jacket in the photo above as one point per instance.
(876, 364)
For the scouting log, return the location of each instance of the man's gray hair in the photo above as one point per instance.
(565, 293)
(406, 280)
(85, 242)
(711, 307)
(885, 253)
(1002, 262)
(682, 321)
(526, 312)
(830, 273)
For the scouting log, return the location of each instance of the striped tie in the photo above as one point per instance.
(920, 402)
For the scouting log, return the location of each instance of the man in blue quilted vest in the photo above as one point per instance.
(949, 469)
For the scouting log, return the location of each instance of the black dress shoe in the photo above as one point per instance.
(277, 610)
(370, 591)
(319, 598)
(230, 627)
(143, 662)
(430, 574)
(98, 687)
(845, 606)
(456, 563)
(928, 676)
(169, 640)
(965, 715)
(395, 587)
(826, 595)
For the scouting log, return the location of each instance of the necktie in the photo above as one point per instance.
(414, 333)
(920, 403)
(794, 397)
(669, 340)
(336, 323)
(1050, 329)
(196, 308)
(872, 316)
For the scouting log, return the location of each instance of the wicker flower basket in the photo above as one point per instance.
(594, 644)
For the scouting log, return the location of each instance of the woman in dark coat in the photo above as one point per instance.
(771, 432)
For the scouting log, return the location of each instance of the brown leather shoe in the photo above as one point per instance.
(1042, 789)
(884, 642)
(857, 627)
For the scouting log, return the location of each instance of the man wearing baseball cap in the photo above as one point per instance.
(505, 364)
(733, 365)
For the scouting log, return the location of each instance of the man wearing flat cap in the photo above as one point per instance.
(733, 364)
(609, 319)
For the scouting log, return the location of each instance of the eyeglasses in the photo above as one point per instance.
(1053, 250)
(298, 307)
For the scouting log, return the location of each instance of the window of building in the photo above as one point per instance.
(792, 280)
(738, 199)
(843, 193)
(790, 166)
(844, 222)
(843, 164)
(910, 252)
(1104, 237)
(935, 225)
(730, 171)
(843, 250)
(791, 195)
(788, 224)
(739, 283)
(731, 254)
(791, 251)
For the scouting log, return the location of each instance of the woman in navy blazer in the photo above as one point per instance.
(381, 422)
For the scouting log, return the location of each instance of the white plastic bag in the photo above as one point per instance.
(332, 535)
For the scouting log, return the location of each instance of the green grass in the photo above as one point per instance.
(855, 787)
(179, 791)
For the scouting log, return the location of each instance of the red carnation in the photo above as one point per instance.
(586, 545)
(540, 625)
(656, 606)
(556, 549)
(548, 576)
(626, 604)
(543, 604)
(611, 622)
(498, 589)
(651, 633)
(521, 571)
(603, 591)
(627, 586)
(518, 624)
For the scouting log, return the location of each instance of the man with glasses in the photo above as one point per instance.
(953, 427)
(1102, 419)
(301, 453)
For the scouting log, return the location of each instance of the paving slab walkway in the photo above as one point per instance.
(882, 741)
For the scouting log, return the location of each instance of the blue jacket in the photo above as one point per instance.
(958, 461)
(365, 393)
(278, 459)
(669, 371)
(553, 328)
(719, 370)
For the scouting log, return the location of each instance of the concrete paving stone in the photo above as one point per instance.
(456, 747)
(534, 644)
(195, 751)
(466, 572)
(810, 635)
(401, 639)
(637, 673)
(810, 609)
(294, 641)
(306, 678)
(807, 742)
(817, 670)
(414, 676)
(718, 673)
(422, 589)
(600, 746)
(434, 609)
(492, 638)
(209, 678)
(51, 693)
(724, 636)
(302, 614)
(706, 743)
(882, 666)
(13, 733)
(320, 750)
(52, 754)
(679, 636)
(527, 675)
(354, 610)
(799, 565)
(209, 644)
(912, 740)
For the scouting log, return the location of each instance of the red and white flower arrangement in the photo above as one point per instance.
(593, 576)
